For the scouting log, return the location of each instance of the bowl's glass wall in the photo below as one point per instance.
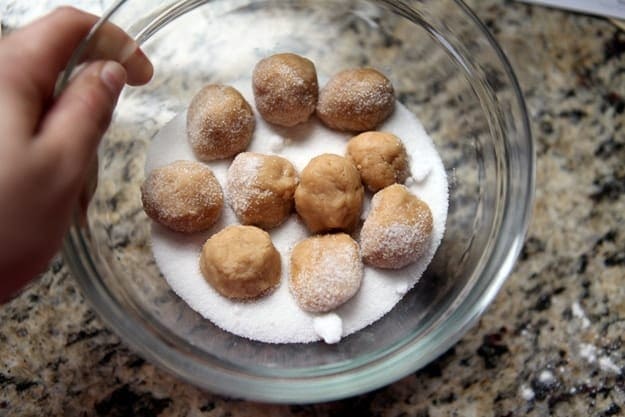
(444, 69)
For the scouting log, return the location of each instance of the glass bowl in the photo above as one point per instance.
(446, 69)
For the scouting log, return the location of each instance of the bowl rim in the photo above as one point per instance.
(384, 369)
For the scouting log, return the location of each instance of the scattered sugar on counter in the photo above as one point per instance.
(277, 317)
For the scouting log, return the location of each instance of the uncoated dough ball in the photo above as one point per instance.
(220, 123)
(260, 188)
(356, 100)
(285, 89)
(183, 196)
(397, 230)
(240, 262)
(326, 271)
(380, 158)
(329, 196)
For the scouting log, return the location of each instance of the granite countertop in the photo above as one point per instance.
(550, 344)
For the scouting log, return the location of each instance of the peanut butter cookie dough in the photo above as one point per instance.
(397, 230)
(380, 158)
(356, 100)
(240, 262)
(285, 89)
(220, 123)
(329, 196)
(326, 271)
(260, 189)
(183, 196)
(278, 318)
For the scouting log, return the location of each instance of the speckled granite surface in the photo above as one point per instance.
(550, 344)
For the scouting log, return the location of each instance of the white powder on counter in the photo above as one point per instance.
(277, 318)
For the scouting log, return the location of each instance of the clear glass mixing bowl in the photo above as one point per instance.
(446, 69)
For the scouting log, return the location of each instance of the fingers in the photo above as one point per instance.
(72, 129)
(111, 43)
(42, 49)
(57, 35)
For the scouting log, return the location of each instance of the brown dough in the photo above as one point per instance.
(220, 123)
(260, 189)
(183, 196)
(285, 89)
(329, 196)
(240, 262)
(397, 230)
(325, 272)
(380, 158)
(356, 100)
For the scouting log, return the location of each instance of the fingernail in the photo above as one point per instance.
(127, 51)
(113, 75)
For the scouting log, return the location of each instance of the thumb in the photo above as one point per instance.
(72, 129)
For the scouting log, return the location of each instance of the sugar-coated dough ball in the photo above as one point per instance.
(285, 89)
(220, 123)
(380, 158)
(325, 272)
(183, 196)
(397, 229)
(260, 188)
(356, 100)
(240, 262)
(329, 196)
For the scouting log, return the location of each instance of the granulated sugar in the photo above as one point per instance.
(277, 318)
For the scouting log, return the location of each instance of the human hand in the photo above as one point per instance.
(48, 144)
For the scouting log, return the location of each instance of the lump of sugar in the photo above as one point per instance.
(329, 327)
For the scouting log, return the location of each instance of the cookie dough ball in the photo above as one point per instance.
(397, 230)
(285, 89)
(329, 196)
(220, 122)
(183, 196)
(240, 262)
(260, 189)
(356, 100)
(380, 158)
(325, 272)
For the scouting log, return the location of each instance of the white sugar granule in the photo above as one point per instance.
(276, 144)
(420, 172)
(329, 327)
(277, 318)
(401, 288)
